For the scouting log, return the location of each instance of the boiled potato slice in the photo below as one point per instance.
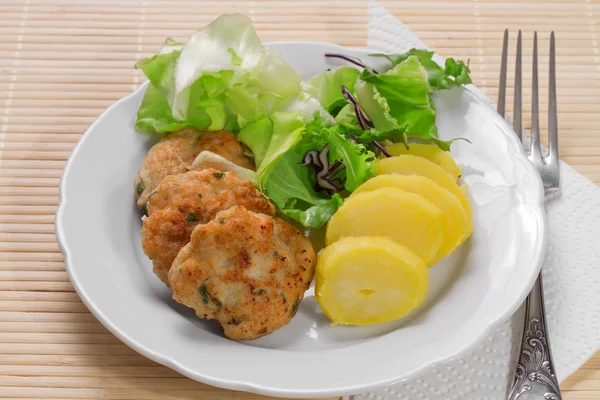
(454, 223)
(369, 280)
(430, 152)
(407, 218)
(413, 165)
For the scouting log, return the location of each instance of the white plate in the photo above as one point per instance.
(472, 291)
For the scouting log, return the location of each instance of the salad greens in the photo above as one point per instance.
(235, 80)
(454, 73)
(314, 141)
(401, 98)
(325, 87)
(287, 131)
(292, 189)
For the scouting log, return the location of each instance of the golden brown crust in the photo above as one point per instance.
(248, 271)
(175, 153)
(180, 202)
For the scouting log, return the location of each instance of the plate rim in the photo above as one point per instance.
(271, 390)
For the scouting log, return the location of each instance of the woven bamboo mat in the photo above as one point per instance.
(62, 62)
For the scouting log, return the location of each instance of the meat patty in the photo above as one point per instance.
(180, 202)
(248, 271)
(175, 153)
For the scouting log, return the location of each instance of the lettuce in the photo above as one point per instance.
(399, 102)
(325, 87)
(358, 161)
(154, 114)
(400, 99)
(454, 73)
(171, 45)
(375, 106)
(269, 138)
(222, 78)
(347, 124)
(257, 136)
(287, 130)
(230, 43)
(291, 188)
(308, 106)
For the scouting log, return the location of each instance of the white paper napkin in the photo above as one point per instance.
(571, 280)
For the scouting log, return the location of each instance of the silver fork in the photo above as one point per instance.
(535, 377)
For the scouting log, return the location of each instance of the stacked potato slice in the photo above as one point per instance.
(388, 232)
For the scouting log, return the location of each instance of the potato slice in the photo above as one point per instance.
(430, 152)
(413, 165)
(454, 223)
(369, 280)
(405, 217)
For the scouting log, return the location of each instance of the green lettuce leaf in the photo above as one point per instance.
(243, 105)
(171, 45)
(358, 161)
(454, 73)
(308, 106)
(154, 114)
(208, 111)
(160, 69)
(257, 136)
(375, 106)
(287, 130)
(325, 87)
(235, 59)
(276, 76)
(347, 124)
(222, 78)
(269, 138)
(317, 215)
(400, 99)
(291, 188)
(230, 43)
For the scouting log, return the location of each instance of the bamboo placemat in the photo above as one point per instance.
(64, 61)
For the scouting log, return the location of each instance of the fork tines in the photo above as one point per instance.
(546, 165)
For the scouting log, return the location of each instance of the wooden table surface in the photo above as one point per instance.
(64, 61)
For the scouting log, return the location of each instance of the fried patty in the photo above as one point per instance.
(175, 153)
(180, 202)
(248, 271)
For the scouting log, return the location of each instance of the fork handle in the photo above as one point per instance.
(535, 377)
